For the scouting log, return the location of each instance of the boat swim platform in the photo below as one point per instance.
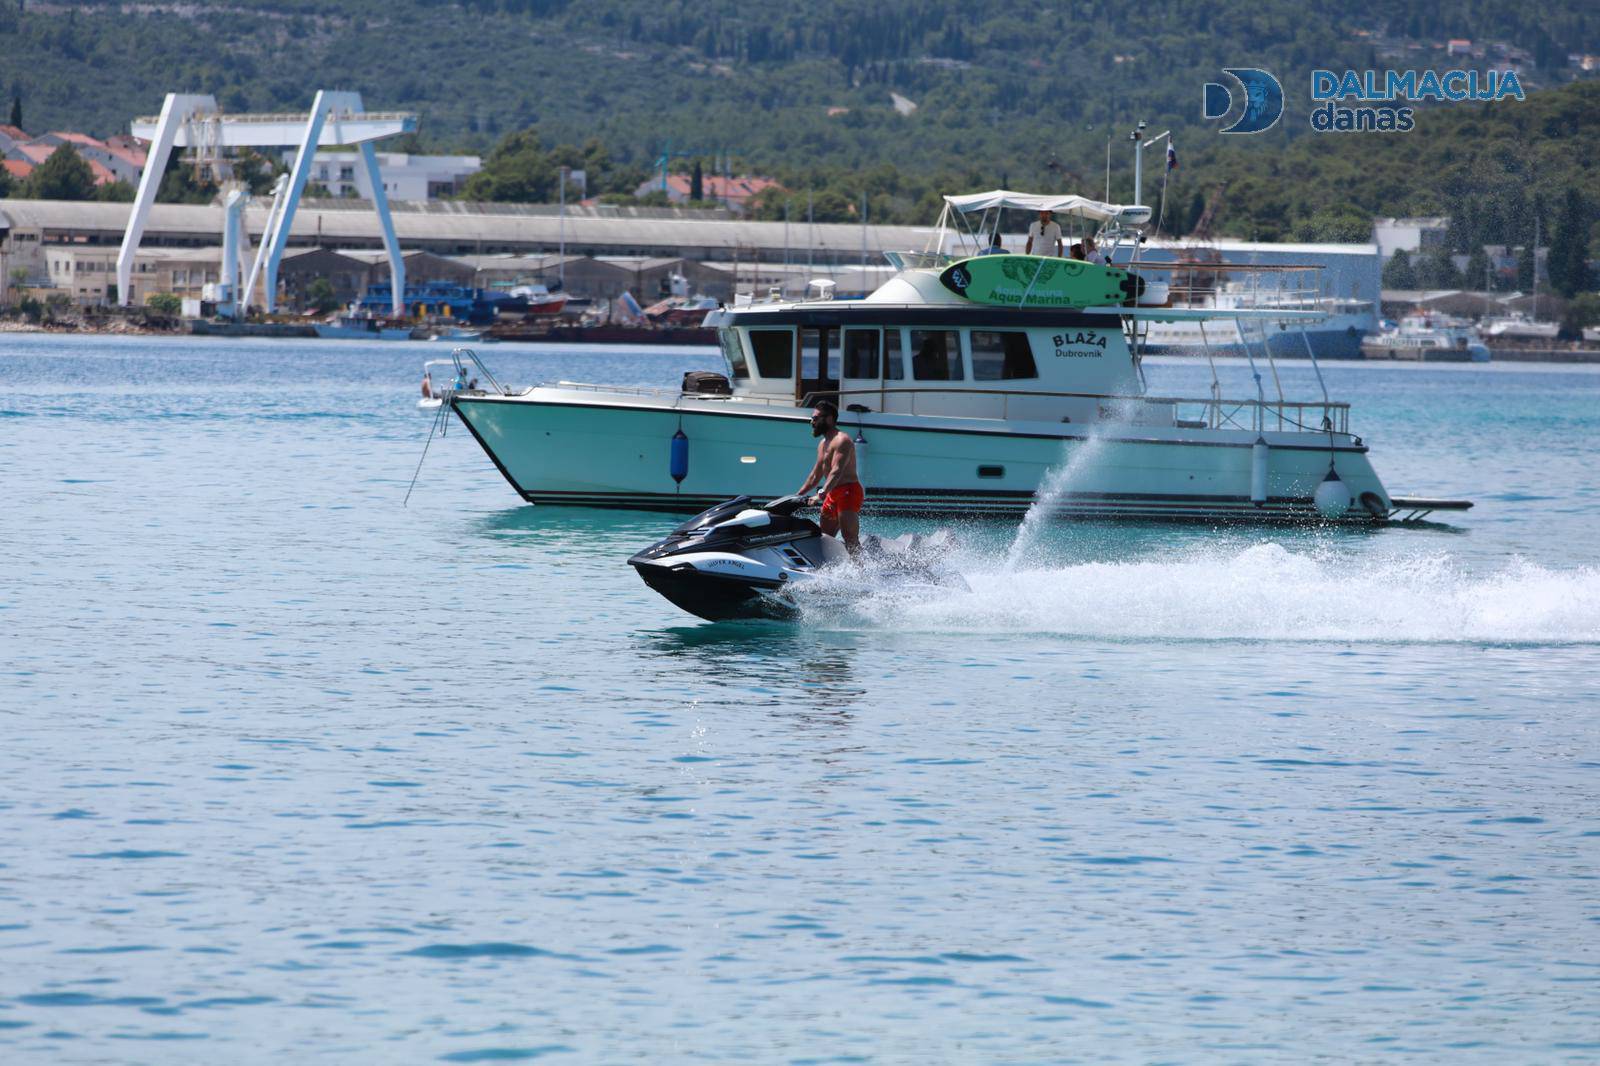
(1416, 508)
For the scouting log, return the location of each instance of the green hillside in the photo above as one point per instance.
(1020, 92)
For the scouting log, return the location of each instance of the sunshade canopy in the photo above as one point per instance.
(1026, 201)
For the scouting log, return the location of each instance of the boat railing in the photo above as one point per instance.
(462, 356)
(1212, 412)
(1253, 286)
(624, 390)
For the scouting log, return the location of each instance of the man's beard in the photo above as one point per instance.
(817, 431)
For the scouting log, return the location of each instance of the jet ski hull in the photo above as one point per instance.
(739, 560)
(715, 597)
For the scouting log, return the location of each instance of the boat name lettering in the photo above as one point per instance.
(1065, 345)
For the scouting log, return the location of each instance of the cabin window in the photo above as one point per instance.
(936, 355)
(774, 352)
(817, 350)
(894, 367)
(733, 352)
(861, 353)
(1001, 356)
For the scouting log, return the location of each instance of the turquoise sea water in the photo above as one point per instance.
(292, 772)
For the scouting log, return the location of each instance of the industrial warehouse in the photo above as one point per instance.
(72, 247)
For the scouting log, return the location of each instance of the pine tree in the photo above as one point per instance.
(1397, 273)
(697, 186)
(16, 110)
(63, 176)
(1569, 247)
(1436, 271)
(1477, 273)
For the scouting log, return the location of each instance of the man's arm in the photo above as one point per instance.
(817, 473)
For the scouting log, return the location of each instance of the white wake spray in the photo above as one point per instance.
(1261, 592)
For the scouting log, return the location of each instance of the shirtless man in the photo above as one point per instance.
(838, 489)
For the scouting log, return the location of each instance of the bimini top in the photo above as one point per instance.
(1027, 201)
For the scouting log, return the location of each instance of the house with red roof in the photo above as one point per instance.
(121, 160)
(34, 152)
(735, 192)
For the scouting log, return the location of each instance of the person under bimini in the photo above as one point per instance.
(1044, 236)
(1075, 252)
(996, 247)
(1093, 254)
(834, 476)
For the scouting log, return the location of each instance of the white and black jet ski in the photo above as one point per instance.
(741, 559)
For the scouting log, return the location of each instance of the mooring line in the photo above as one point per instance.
(418, 473)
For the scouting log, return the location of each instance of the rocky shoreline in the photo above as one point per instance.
(110, 326)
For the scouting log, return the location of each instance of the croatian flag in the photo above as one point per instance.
(1172, 157)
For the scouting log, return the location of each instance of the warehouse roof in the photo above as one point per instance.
(466, 229)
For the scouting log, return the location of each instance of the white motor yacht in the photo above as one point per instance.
(1516, 325)
(1346, 322)
(964, 381)
(1429, 336)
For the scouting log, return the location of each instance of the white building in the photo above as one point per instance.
(1413, 234)
(405, 176)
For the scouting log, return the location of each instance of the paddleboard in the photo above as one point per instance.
(1039, 281)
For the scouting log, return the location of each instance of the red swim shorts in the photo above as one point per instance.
(843, 498)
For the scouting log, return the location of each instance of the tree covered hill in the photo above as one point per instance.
(1010, 79)
(1024, 92)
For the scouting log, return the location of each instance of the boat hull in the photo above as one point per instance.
(359, 333)
(555, 446)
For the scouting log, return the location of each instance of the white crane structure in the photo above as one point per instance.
(190, 120)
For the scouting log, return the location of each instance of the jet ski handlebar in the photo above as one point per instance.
(785, 505)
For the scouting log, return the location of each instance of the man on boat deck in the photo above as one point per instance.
(1044, 236)
(839, 489)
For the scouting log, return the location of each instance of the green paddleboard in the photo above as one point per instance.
(1039, 281)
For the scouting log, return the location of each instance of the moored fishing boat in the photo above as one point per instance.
(965, 380)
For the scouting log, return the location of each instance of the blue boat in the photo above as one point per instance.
(442, 299)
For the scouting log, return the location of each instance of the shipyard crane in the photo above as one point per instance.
(193, 120)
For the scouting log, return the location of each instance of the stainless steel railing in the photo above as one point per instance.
(1212, 412)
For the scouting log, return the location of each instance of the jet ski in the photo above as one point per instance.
(741, 559)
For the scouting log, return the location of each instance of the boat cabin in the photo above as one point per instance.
(912, 348)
